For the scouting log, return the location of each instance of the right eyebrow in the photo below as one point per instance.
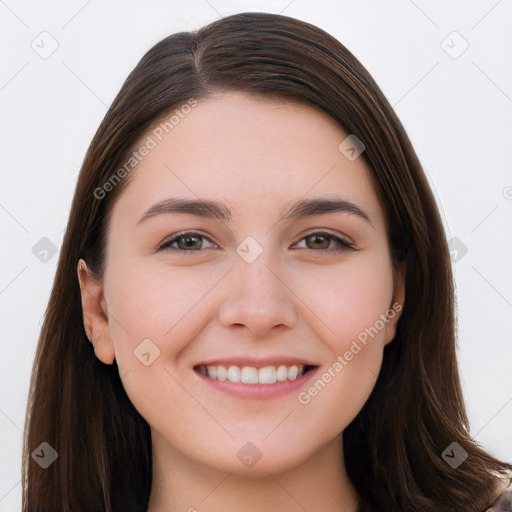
(201, 208)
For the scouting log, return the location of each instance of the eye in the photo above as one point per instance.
(324, 241)
(190, 241)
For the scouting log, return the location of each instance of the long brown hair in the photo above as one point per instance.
(393, 447)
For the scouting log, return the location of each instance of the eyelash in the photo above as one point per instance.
(342, 243)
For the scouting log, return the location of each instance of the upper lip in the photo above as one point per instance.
(257, 362)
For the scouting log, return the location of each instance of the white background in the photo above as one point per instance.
(457, 112)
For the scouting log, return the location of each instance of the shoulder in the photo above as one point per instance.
(503, 499)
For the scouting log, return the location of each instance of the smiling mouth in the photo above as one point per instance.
(253, 375)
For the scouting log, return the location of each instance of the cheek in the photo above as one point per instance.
(342, 386)
(161, 304)
(169, 307)
(349, 313)
(349, 301)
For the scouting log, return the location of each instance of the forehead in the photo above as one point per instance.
(244, 149)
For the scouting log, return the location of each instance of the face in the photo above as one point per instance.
(249, 290)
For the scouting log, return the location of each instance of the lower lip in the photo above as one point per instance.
(259, 391)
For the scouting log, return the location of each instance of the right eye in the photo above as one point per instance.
(187, 241)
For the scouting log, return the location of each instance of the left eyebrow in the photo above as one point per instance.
(215, 210)
(322, 206)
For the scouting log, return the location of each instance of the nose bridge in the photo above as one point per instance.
(258, 298)
(255, 262)
(259, 286)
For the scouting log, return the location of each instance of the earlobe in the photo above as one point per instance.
(95, 314)
(104, 350)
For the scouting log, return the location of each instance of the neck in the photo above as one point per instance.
(320, 483)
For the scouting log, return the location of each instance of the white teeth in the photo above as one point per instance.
(267, 375)
(212, 372)
(282, 373)
(293, 371)
(234, 374)
(252, 375)
(249, 375)
(222, 374)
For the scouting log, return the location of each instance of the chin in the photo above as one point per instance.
(247, 459)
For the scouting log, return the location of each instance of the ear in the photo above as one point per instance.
(395, 308)
(94, 309)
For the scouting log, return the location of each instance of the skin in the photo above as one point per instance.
(302, 297)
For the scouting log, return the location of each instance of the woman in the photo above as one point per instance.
(254, 301)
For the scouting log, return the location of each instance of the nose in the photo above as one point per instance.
(258, 298)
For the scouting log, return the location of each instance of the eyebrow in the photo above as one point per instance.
(215, 210)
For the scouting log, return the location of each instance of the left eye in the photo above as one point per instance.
(325, 241)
